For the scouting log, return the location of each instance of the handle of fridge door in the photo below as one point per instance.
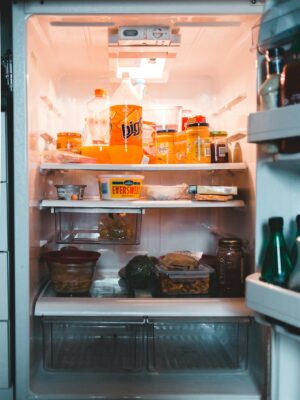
(3, 169)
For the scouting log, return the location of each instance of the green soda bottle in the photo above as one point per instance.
(294, 250)
(277, 265)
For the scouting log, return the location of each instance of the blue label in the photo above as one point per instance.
(104, 188)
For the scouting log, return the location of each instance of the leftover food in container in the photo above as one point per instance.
(71, 270)
(69, 141)
(120, 187)
(196, 282)
(212, 197)
(165, 192)
(222, 190)
(181, 260)
(70, 192)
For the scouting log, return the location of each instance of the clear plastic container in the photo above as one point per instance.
(97, 122)
(165, 192)
(198, 282)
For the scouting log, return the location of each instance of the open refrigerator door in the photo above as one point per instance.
(122, 338)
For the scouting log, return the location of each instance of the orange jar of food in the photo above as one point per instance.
(165, 147)
(198, 143)
(180, 147)
(69, 141)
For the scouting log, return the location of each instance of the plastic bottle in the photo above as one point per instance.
(126, 119)
(269, 91)
(277, 266)
(294, 281)
(98, 118)
(294, 250)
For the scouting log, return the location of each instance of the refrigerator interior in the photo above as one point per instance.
(212, 72)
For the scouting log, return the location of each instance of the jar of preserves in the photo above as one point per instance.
(165, 146)
(218, 147)
(230, 268)
(180, 147)
(69, 141)
(198, 143)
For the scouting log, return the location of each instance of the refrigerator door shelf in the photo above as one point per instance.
(273, 301)
(280, 123)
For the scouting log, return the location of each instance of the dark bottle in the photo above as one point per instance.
(294, 250)
(290, 81)
(269, 91)
(230, 268)
(294, 281)
(277, 265)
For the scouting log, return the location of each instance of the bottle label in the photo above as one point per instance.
(126, 125)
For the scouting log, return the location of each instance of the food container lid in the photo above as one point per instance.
(218, 133)
(202, 271)
(230, 242)
(70, 186)
(72, 134)
(197, 124)
(100, 92)
(72, 256)
(166, 131)
(120, 176)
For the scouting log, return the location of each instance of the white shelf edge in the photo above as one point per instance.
(273, 301)
(135, 307)
(143, 167)
(280, 123)
(140, 204)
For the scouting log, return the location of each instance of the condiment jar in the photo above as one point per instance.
(165, 146)
(198, 143)
(180, 147)
(218, 147)
(230, 268)
(69, 141)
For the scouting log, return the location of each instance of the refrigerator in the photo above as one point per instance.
(109, 345)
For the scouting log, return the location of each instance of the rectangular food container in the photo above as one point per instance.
(166, 192)
(106, 226)
(198, 282)
(120, 187)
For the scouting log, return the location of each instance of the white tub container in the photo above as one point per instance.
(120, 187)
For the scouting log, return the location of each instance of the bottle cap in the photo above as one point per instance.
(230, 242)
(100, 92)
(275, 52)
(276, 223)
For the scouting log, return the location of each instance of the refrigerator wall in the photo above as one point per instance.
(65, 59)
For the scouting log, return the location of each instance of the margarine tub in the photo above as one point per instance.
(120, 187)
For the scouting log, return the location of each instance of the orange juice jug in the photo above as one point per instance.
(126, 125)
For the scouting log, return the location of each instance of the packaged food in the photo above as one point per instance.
(120, 187)
(69, 141)
(180, 147)
(222, 190)
(218, 147)
(198, 143)
(212, 197)
(196, 282)
(71, 270)
(165, 146)
(165, 192)
(181, 260)
(70, 192)
(149, 141)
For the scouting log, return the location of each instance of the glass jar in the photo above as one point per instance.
(198, 143)
(69, 141)
(218, 147)
(230, 268)
(165, 146)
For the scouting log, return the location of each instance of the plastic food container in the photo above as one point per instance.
(161, 192)
(70, 192)
(198, 282)
(71, 270)
(120, 187)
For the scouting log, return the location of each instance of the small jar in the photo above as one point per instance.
(198, 143)
(180, 147)
(69, 141)
(218, 147)
(165, 146)
(230, 268)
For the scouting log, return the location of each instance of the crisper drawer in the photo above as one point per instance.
(4, 356)
(3, 286)
(96, 346)
(206, 344)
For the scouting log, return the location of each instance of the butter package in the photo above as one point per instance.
(218, 190)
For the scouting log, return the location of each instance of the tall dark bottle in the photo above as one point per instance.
(290, 82)
(294, 250)
(277, 266)
(294, 281)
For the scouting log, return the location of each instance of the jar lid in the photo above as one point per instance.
(218, 133)
(76, 134)
(198, 124)
(100, 92)
(166, 131)
(230, 242)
